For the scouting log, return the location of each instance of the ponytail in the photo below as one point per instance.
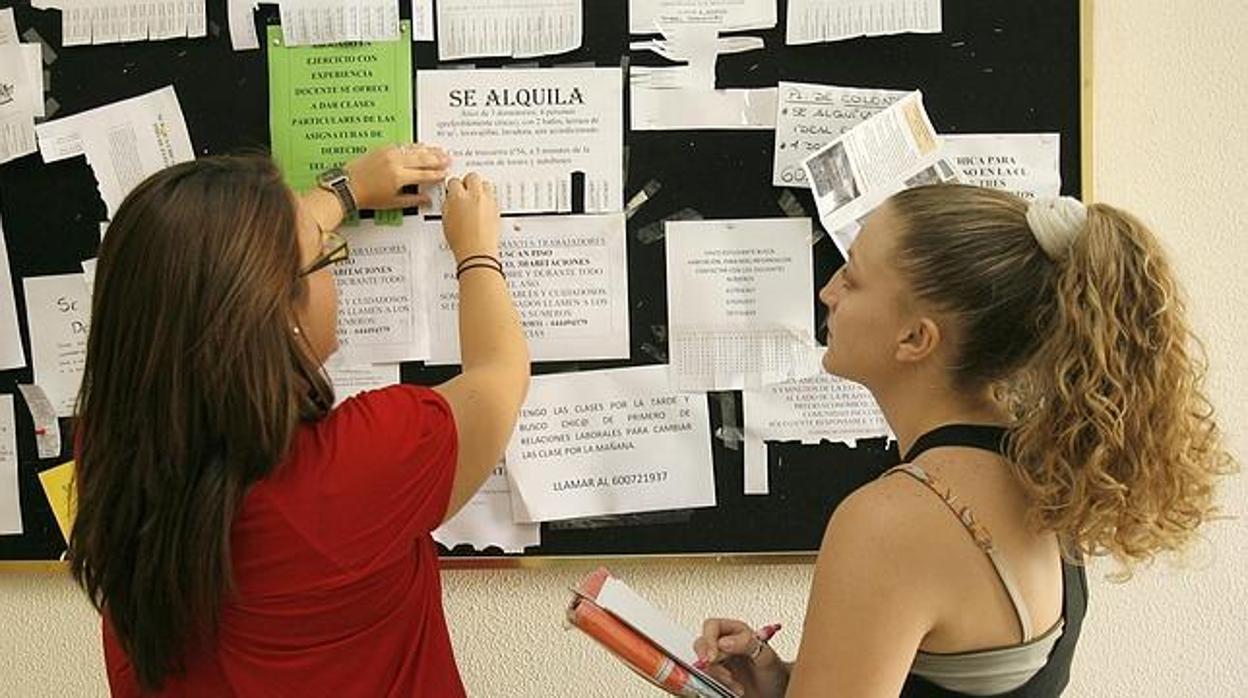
(1115, 441)
(1081, 326)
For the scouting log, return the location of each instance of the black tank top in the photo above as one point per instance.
(1051, 680)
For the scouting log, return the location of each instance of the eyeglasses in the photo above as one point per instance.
(333, 250)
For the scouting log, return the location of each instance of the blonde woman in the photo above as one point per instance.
(1036, 366)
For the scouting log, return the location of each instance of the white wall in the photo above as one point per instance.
(1170, 101)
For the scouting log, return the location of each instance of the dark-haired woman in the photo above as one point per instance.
(239, 536)
(1036, 366)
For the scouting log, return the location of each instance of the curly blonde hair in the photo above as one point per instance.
(1114, 441)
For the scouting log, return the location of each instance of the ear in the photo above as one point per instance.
(918, 340)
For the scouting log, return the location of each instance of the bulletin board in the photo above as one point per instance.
(997, 67)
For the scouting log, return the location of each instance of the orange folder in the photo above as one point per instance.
(632, 647)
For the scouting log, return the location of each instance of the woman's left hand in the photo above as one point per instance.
(377, 178)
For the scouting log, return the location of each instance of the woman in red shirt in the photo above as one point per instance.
(239, 536)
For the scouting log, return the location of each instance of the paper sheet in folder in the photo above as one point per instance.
(641, 636)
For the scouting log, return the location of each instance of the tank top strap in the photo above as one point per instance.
(988, 438)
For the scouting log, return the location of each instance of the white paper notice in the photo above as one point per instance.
(738, 302)
(814, 21)
(10, 498)
(58, 315)
(509, 28)
(822, 407)
(349, 380)
(568, 276)
(381, 317)
(315, 22)
(43, 415)
(646, 16)
(124, 141)
(693, 109)
(1025, 164)
(809, 117)
(113, 21)
(11, 353)
(486, 520)
(8, 28)
(242, 25)
(609, 442)
(33, 53)
(529, 131)
(422, 20)
(88, 274)
(19, 92)
(860, 169)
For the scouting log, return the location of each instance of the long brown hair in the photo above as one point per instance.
(1114, 442)
(195, 381)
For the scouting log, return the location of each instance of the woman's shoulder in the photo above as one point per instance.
(399, 403)
(893, 502)
(882, 555)
(390, 395)
(894, 520)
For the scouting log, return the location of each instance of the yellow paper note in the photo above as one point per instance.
(58, 485)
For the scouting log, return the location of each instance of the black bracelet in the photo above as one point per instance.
(469, 258)
(479, 265)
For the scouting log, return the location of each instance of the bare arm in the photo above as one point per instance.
(869, 607)
(869, 610)
(485, 398)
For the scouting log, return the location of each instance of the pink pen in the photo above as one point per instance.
(763, 634)
(767, 632)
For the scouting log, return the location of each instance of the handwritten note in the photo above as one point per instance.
(809, 117)
(58, 313)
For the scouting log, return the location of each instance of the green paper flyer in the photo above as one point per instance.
(331, 103)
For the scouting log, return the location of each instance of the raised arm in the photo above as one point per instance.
(485, 398)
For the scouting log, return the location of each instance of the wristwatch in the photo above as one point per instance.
(336, 181)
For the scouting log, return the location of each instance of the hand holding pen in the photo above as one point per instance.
(739, 657)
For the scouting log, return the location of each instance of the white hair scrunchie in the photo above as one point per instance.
(1056, 223)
